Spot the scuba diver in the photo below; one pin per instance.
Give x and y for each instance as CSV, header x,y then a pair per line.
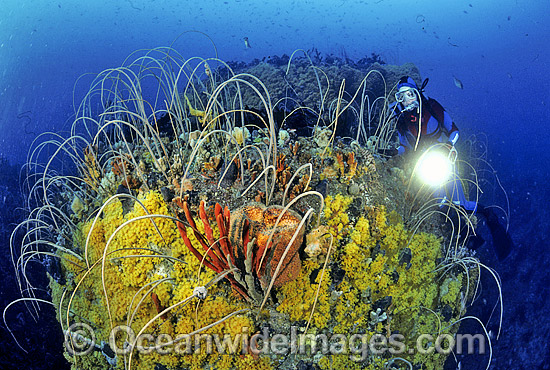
x,y
422,123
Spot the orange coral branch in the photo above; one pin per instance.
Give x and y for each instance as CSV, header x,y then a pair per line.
x,y
189,245
215,259
352,163
158,305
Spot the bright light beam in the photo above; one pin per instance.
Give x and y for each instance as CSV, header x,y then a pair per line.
x,y
434,168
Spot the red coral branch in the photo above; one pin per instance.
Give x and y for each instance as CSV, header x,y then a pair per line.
x,y
215,258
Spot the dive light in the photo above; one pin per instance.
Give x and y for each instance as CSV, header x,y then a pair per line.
x,y
435,166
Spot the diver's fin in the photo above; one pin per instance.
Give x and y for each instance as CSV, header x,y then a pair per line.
x,y
502,242
473,240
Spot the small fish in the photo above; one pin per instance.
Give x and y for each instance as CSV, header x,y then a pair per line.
x,y
246,43
458,83
450,43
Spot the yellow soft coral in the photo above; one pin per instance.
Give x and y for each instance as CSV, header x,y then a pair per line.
x,y
336,216
297,297
387,263
374,264
134,277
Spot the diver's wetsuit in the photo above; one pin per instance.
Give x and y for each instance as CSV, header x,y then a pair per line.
x,y
435,122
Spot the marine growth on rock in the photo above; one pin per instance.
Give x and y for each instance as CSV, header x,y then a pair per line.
x,y
206,227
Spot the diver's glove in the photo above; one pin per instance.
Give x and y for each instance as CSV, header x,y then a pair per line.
x,y
449,144
452,152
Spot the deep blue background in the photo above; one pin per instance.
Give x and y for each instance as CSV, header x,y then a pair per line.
x,y
498,49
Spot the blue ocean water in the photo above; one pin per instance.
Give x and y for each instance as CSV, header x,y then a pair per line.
x,y
497,49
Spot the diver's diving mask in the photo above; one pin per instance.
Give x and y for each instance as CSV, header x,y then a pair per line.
x,y
408,99
405,94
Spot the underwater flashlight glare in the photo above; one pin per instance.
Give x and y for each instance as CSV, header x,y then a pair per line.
x,y
434,168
